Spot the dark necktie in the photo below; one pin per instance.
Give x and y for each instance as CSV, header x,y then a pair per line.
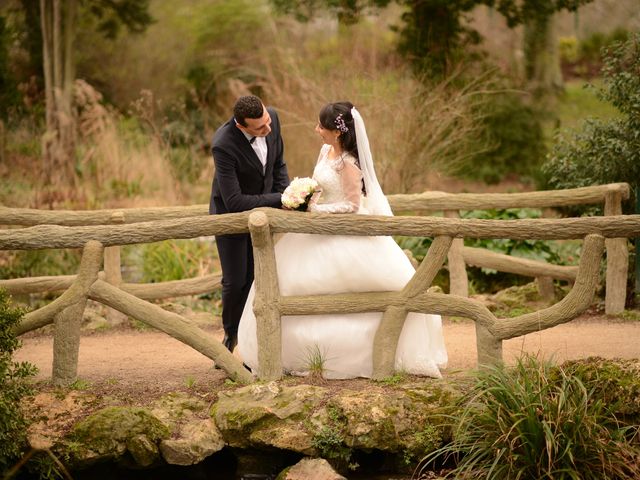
x,y
253,139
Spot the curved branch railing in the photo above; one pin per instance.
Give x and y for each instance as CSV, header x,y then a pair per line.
x,y
270,306
610,195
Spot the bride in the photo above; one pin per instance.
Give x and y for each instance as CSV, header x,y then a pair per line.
x,y
342,344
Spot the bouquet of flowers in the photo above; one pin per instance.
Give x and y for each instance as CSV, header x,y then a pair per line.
x,y
297,195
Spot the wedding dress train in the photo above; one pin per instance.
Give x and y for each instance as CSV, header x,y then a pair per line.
x,y
330,264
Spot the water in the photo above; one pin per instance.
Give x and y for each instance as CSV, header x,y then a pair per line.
x,y
230,464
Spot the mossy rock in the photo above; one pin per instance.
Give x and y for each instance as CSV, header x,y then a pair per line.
x,y
616,382
267,416
390,421
126,435
517,300
407,421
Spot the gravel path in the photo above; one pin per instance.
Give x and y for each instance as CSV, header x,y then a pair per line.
x,y
132,357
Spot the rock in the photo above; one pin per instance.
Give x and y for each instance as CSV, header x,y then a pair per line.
x,y
391,421
516,300
143,450
110,433
194,435
310,469
615,382
268,416
197,440
307,419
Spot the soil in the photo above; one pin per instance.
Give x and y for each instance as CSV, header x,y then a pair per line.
x,y
147,363
129,366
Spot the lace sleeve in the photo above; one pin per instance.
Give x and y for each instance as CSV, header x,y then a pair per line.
x,y
351,180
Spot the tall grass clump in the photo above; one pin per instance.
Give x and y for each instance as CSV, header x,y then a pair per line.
x,y
537,421
177,260
115,164
14,386
416,129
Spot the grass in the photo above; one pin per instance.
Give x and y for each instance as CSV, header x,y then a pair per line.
x,y
80,385
630,315
536,421
315,362
578,103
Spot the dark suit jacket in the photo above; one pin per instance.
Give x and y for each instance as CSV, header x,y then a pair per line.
x,y
238,182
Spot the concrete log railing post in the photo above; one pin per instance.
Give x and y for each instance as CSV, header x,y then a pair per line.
x,y
617,260
545,285
387,336
458,279
172,324
596,229
266,302
66,336
113,269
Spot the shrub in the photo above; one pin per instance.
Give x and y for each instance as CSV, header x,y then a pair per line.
x,y
13,387
537,421
513,135
488,280
177,259
34,263
604,151
584,58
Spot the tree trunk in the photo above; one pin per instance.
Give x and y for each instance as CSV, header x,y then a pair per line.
x,y
58,19
542,59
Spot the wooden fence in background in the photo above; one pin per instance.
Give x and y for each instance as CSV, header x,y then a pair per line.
x,y
100,233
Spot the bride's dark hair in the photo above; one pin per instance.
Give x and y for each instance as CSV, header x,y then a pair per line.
x,y
337,116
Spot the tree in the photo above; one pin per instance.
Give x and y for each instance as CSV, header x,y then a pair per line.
x,y
542,60
605,151
433,34
58,23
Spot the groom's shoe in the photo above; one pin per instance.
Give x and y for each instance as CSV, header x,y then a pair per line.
x,y
230,341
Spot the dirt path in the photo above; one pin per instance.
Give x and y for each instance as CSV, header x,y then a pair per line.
x,y
133,358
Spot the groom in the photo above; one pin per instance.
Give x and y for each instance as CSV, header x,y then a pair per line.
x,y
250,172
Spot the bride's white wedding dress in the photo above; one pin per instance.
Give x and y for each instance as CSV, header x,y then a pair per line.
x,y
330,264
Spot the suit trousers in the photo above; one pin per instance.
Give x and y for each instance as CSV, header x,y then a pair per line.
x,y
236,259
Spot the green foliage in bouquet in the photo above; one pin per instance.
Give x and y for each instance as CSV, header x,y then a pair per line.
x,y
604,151
14,386
537,421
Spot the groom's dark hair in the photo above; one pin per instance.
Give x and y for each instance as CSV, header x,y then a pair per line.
x,y
247,106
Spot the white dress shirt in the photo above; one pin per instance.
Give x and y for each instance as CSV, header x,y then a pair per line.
x,y
259,146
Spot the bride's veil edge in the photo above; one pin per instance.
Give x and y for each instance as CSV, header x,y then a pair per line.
x,y
377,203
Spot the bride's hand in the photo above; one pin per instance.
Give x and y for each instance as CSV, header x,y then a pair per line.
x,y
314,198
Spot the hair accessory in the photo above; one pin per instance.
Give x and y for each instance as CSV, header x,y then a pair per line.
x,y
339,121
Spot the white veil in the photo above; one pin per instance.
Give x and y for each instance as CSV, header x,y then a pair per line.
x,y
376,203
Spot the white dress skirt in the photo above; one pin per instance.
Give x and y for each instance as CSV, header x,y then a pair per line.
x,y
331,264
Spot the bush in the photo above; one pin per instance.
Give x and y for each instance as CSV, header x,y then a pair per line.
x,y
584,58
537,421
604,151
177,260
13,387
35,263
513,133
485,280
